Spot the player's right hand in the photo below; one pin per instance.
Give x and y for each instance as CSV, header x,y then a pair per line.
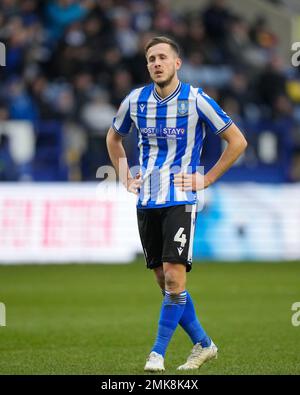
x,y
134,184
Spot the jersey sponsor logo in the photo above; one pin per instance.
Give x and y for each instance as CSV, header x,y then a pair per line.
x,y
169,133
173,132
182,107
149,131
142,107
179,249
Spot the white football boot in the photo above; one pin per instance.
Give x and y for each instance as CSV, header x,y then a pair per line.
x,y
154,363
199,356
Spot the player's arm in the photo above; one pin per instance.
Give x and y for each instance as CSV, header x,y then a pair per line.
x,y
119,160
236,145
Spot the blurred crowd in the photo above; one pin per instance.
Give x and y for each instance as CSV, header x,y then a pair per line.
x,y
75,60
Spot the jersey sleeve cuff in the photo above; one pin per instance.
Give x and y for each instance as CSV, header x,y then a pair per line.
x,y
117,131
224,127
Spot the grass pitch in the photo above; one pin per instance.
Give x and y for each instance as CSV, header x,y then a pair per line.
x,y
102,319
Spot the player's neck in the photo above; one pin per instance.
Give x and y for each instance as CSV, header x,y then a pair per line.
x,y
168,89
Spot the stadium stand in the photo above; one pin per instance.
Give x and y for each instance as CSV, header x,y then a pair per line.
x,y
69,63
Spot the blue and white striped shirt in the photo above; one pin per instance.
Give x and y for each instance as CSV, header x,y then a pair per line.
x,y
171,131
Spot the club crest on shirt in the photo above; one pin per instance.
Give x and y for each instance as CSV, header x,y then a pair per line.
x,y
182,107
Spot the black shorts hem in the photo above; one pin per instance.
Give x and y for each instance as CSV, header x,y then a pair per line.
x,y
153,264
184,262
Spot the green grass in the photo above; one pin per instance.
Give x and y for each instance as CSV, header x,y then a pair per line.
x,y
102,319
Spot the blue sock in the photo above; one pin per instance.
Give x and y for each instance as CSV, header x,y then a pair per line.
x,y
191,324
172,309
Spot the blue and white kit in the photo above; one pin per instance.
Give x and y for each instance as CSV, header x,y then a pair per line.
x,y
171,132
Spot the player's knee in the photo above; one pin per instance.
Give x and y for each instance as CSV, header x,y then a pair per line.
x,y
173,282
175,277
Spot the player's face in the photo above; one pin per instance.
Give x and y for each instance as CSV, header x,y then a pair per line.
x,y
162,63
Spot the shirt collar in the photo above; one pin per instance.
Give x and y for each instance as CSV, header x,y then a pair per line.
x,y
169,97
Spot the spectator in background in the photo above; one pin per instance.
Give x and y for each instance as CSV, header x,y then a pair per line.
x,y
216,19
4,113
84,88
120,84
16,38
196,39
112,62
240,51
61,13
136,64
29,12
72,54
261,35
40,90
96,40
126,38
294,174
180,30
282,109
233,107
196,72
272,81
21,105
96,116
55,99
97,113
240,90
141,15
65,103
9,8
164,17
8,168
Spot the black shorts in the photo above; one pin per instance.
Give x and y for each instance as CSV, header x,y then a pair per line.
x,y
167,234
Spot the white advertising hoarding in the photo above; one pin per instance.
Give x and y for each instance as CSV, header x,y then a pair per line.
x,y
249,221
89,222
67,223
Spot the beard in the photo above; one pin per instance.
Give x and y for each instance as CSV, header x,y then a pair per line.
x,y
163,84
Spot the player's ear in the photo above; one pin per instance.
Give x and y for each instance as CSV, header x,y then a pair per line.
x,y
178,63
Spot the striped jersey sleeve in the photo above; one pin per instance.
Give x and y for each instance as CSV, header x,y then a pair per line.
x,y
122,122
211,113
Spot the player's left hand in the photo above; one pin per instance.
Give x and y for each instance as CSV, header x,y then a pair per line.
x,y
190,182
134,184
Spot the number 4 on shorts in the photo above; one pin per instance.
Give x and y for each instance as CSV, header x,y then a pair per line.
x,y
180,237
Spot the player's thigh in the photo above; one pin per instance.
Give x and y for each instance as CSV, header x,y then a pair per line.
x,y
150,230
178,234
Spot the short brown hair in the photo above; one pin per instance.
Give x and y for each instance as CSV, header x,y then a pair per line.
x,y
162,40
